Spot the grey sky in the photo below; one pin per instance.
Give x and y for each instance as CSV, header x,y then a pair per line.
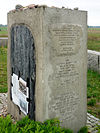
x,y
92,6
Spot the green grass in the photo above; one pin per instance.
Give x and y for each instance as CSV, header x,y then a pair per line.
x,y
94,39
3,32
94,45
25,125
3,69
29,126
93,93
93,86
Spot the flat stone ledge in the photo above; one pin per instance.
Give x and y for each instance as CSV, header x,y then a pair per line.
x,y
94,60
93,52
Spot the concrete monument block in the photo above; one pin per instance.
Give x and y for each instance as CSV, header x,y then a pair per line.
x,y
3,41
47,52
94,60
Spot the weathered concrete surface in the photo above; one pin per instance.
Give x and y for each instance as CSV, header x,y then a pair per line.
x,y
60,37
65,67
94,60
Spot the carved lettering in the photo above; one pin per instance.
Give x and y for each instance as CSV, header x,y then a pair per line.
x,y
67,40
64,105
64,81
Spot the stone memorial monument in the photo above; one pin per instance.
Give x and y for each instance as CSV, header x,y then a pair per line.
x,y
47,64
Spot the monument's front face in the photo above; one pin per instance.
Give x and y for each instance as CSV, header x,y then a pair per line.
x,y
66,79
67,75
57,55
65,63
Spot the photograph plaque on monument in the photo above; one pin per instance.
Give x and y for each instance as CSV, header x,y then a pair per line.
x,y
20,93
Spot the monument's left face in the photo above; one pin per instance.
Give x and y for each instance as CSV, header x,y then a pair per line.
x,y
24,61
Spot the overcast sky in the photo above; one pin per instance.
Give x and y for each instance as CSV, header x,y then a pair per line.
x,y
92,6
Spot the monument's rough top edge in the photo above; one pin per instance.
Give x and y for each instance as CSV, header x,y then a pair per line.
x,y
32,6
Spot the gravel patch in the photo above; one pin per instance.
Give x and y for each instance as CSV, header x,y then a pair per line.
x,y
3,104
92,123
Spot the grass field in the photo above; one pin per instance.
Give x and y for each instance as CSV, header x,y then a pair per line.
x,y
3,32
94,39
3,69
93,93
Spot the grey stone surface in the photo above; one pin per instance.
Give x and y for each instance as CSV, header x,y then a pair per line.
x,y
3,41
60,37
18,6
94,60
